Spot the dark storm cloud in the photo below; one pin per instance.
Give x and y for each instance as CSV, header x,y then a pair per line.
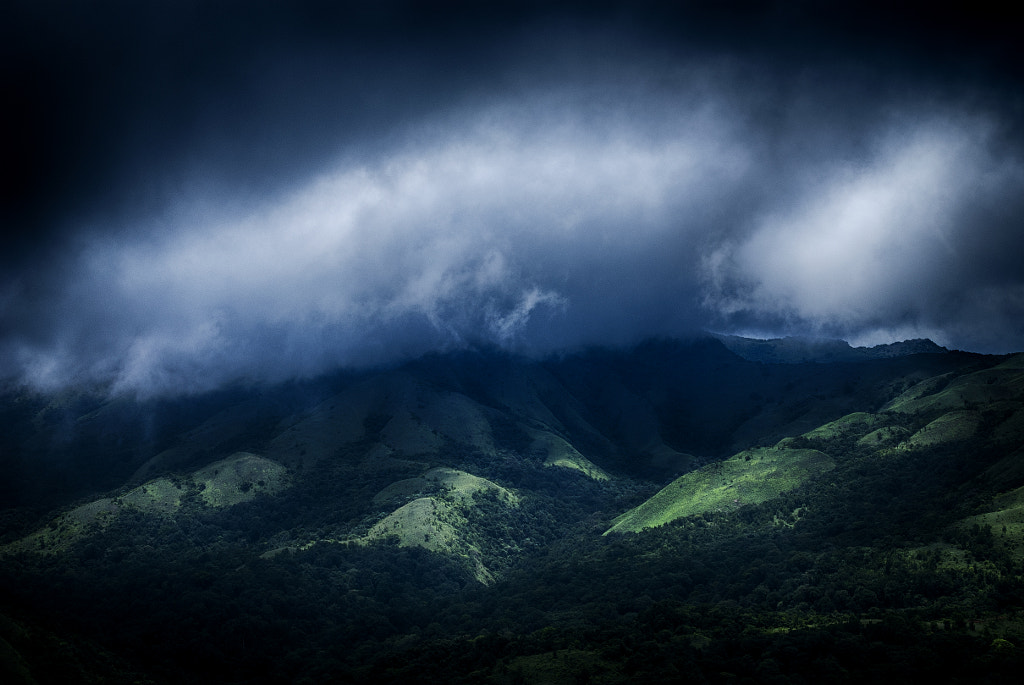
x,y
224,191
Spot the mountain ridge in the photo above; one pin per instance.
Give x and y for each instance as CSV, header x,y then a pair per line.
x,y
801,350
440,504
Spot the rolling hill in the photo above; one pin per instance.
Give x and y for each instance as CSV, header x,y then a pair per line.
x,y
610,515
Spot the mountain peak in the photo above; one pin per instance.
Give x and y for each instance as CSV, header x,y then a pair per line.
x,y
799,349
903,348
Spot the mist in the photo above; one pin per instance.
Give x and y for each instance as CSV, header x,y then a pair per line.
x,y
321,201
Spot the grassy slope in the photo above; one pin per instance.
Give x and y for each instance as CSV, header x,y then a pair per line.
x,y
227,482
558,452
432,515
754,476
454,483
1004,381
959,404
428,522
750,477
885,436
955,425
994,394
1006,519
857,422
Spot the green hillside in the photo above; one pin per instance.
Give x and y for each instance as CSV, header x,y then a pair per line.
x,y
462,518
1003,381
439,522
750,477
239,478
885,436
758,475
856,423
1005,519
558,452
432,511
956,425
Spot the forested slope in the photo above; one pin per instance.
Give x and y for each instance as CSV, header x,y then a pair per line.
x,y
444,521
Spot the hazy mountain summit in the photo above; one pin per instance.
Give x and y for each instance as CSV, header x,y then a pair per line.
x,y
797,350
658,407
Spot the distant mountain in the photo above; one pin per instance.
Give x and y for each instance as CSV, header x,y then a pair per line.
x,y
798,350
899,349
611,515
656,409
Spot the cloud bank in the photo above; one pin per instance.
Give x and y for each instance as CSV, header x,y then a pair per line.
x,y
595,192
896,245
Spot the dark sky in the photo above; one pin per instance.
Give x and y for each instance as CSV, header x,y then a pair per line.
x,y
200,192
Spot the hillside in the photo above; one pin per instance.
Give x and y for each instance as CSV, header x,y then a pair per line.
x,y
611,516
990,397
750,477
239,478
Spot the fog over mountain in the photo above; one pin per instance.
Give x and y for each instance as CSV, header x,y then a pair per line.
x,y
196,193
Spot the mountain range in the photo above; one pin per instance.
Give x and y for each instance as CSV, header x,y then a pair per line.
x,y
715,509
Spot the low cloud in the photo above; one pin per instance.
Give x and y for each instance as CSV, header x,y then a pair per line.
x,y
881,246
370,208
503,230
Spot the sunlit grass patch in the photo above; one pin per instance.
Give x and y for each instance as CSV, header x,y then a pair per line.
x,y
908,398
239,478
750,477
436,519
857,422
465,485
452,482
66,529
426,522
884,436
558,452
956,425
224,483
